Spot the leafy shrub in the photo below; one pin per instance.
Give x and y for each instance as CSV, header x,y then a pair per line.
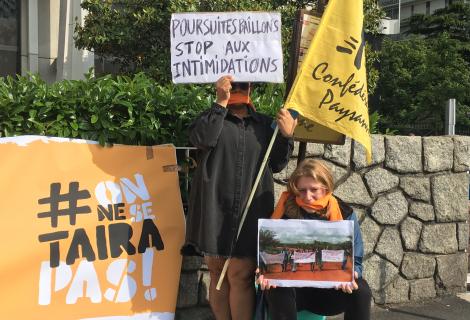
x,y
268,98
129,110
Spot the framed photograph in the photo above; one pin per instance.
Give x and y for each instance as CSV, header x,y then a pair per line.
x,y
306,253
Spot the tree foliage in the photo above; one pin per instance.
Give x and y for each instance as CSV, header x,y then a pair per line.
x,y
135,33
453,20
421,72
268,239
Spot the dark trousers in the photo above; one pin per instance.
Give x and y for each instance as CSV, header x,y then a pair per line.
x,y
283,303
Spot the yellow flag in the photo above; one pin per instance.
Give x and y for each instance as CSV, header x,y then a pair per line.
x,y
331,86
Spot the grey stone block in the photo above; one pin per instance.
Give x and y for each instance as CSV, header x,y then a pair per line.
x,y
417,187
278,190
461,153
410,233
438,153
379,272
287,171
380,180
422,289
451,275
450,195
395,292
463,236
418,265
403,153
439,238
378,152
353,191
370,233
360,213
188,290
315,149
339,154
312,150
390,208
191,263
389,246
468,268
337,172
422,211
295,152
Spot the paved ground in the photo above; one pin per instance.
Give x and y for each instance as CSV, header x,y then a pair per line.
x,y
447,308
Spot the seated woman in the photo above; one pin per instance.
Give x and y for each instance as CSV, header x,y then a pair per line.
x,y
309,196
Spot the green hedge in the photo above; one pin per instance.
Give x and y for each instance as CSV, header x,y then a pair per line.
x,y
120,109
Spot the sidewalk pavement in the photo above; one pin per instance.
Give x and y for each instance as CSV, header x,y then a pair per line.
x,y
444,308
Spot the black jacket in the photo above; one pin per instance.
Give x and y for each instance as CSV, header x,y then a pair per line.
x,y
231,153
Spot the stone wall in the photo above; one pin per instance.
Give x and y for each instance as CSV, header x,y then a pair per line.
x,y
412,203
193,294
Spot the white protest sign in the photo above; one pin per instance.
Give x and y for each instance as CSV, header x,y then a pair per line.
x,y
332,255
206,46
304,257
272,258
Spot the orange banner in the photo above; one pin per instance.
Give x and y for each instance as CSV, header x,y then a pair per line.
x,y
88,232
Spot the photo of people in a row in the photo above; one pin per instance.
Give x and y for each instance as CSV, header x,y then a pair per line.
x,y
303,252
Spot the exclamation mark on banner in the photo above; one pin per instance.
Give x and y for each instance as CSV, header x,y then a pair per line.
x,y
147,266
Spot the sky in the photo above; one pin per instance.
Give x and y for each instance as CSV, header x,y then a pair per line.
x,y
307,231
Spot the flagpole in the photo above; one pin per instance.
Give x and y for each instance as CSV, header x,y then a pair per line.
x,y
250,199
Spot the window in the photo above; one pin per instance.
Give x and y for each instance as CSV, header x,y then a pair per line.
x,y
391,12
412,9
9,37
428,7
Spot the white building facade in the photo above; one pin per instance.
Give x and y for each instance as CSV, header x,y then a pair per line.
x,y
398,12
37,36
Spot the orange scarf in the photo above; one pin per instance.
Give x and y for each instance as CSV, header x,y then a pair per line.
x,y
329,202
239,98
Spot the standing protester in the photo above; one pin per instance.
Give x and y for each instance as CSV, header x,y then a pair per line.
x,y
309,196
232,139
319,258
285,260
344,263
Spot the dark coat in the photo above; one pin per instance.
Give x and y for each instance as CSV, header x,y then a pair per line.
x,y
231,151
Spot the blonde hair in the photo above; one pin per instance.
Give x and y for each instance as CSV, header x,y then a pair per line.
x,y
315,169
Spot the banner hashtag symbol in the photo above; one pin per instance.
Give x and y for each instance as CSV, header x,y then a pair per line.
x,y
71,197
